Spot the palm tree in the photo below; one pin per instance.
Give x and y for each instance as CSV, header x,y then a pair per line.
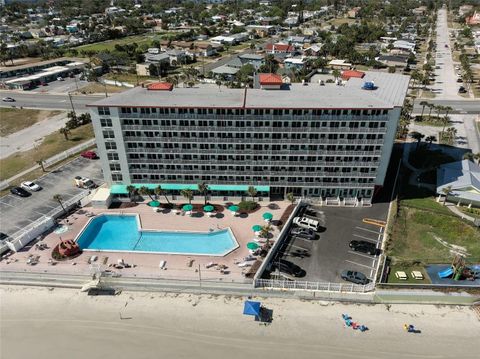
x,y
430,139
423,104
65,132
445,122
219,84
477,156
203,189
291,197
252,192
417,136
41,164
439,109
336,74
59,199
469,156
159,191
430,106
146,191
188,194
446,191
132,193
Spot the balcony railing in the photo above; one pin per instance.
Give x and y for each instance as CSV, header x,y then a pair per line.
x,y
232,151
227,162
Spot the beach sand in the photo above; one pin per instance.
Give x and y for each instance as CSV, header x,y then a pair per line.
x,y
64,323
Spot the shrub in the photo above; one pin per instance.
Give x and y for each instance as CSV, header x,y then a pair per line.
x,y
248,206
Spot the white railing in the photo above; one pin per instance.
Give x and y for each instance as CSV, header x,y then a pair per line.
x,y
313,286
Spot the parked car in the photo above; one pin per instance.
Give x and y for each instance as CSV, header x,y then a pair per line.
x,y
459,79
31,186
8,99
354,277
446,45
305,233
305,222
19,191
59,78
89,154
462,89
288,267
363,246
84,182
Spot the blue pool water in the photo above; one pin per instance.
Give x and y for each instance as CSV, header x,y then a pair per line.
x,y
121,233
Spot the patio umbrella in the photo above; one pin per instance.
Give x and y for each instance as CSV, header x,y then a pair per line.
x,y
268,216
257,228
154,204
251,308
187,207
233,208
208,208
252,245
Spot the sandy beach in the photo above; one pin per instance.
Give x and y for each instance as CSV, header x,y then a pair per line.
x,y
43,323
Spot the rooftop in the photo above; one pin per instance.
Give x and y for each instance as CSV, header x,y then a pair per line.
x,y
390,92
270,79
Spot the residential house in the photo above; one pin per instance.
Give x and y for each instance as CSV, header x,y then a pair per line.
x,y
294,63
353,13
463,179
474,19
464,9
253,59
177,57
261,30
313,50
279,48
298,41
394,60
340,64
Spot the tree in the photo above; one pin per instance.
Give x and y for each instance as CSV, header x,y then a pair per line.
x,y
423,104
446,191
65,132
41,164
252,192
417,136
132,193
159,191
469,156
203,189
219,84
291,197
477,156
188,194
59,199
430,106
145,191
430,139
245,72
336,74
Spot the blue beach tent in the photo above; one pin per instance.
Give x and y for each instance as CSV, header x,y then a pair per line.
x,y
251,308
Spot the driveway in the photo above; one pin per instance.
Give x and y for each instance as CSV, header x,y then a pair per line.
x,y
18,212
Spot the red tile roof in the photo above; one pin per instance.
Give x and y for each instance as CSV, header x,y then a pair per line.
x,y
270,79
280,47
346,75
160,86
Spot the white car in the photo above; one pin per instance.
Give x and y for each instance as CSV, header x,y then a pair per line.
x,y
31,186
8,99
305,222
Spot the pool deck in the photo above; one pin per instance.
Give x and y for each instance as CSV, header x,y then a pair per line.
x,y
147,264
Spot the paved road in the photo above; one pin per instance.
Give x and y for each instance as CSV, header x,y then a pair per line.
x,y
48,101
459,106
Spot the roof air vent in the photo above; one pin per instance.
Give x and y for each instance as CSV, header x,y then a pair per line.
x,y
369,85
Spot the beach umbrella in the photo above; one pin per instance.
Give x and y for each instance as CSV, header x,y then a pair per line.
x,y
257,228
233,208
267,216
251,308
208,208
252,245
187,207
154,204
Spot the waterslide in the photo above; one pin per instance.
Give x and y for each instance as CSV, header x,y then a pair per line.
x,y
446,272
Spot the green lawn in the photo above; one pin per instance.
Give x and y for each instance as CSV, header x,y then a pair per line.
x,y
51,145
130,78
407,269
15,119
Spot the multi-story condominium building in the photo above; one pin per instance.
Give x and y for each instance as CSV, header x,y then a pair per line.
x,y
312,140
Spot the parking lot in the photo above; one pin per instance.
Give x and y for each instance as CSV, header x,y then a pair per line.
x,y
65,86
325,258
18,212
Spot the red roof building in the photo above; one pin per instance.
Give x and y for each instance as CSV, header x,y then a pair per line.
x,y
279,48
160,86
270,81
348,74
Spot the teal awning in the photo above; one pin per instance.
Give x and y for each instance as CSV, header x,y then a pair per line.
x,y
122,189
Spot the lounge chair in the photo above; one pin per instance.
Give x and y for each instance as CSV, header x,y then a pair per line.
x,y
246,264
163,265
211,264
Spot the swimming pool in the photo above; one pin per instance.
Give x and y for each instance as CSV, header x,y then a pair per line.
x,y
115,232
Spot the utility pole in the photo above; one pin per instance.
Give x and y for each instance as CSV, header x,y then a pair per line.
x,y
200,275
71,103
105,87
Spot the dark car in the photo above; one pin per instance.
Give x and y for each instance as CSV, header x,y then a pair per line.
x,y
288,267
462,89
18,191
363,246
305,233
354,277
89,154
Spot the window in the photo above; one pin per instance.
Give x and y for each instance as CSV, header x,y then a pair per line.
x,y
108,134
104,111
105,122
117,177
115,167
112,156
110,145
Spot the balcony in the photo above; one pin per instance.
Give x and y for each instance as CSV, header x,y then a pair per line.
x,y
227,162
251,152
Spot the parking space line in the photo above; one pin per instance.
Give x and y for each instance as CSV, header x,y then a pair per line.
x,y
362,255
303,239
369,239
368,230
362,265
7,204
305,249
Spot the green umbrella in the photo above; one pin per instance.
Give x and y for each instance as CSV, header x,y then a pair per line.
x,y
208,208
187,207
154,204
234,208
268,216
252,245
257,228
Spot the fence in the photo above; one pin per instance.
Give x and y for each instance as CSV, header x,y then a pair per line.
x,y
313,286
50,161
